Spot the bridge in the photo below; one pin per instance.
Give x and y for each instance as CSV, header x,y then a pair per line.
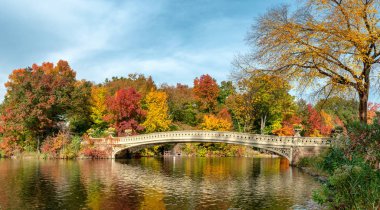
x,y
290,147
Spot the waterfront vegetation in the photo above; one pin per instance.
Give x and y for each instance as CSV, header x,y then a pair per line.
x,y
326,47
350,169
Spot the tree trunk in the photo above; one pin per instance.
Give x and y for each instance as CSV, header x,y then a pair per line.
x,y
363,102
38,145
262,123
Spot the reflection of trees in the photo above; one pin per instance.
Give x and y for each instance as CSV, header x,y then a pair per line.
x,y
148,183
76,198
37,191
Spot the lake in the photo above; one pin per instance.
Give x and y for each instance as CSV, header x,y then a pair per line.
x,y
155,183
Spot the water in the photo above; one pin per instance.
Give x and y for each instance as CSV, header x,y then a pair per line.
x,y
154,183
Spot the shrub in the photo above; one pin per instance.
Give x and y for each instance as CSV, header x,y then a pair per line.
x,y
353,166
355,185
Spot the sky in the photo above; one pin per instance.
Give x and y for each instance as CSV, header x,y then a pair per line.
x,y
173,41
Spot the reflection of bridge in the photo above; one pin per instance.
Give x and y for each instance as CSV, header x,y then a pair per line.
x,y
289,147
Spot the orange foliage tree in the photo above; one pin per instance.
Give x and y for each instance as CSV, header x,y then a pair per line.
x,y
37,100
221,122
206,92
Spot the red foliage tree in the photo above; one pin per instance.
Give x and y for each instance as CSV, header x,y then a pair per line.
x,y
125,111
206,92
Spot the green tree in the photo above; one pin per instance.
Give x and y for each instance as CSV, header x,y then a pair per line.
x,y
226,89
269,98
346,110
182,105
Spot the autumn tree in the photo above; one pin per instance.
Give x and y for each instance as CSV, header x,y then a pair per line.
x,y
242,111
206,92
157,118
333,43
98,105
221,122
36,104
182,105
124,111
288,124
268,98
139,82
344,109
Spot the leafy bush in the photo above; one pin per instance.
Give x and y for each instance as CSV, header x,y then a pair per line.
x,y
52,145
95,153
353,166
355,185
72,149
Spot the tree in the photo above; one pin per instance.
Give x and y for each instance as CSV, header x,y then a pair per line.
x,y
345,109
206,92
182,105
269,98
329,42
157,118
221,122
225,90
98,105
124,111
242,111
139,82
36,104
79,112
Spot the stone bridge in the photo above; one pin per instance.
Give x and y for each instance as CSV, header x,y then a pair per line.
x,y
290,147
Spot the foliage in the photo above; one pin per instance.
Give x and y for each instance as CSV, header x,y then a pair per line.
x,y
364,141
99,132
53,145
124,111
353,166
325,40
206,92
373,109
289,123
268,99
353,184
79,113
225,90
182,106
98,106
346,110
139,82
72,149
241,111
221,122
37,101
157,118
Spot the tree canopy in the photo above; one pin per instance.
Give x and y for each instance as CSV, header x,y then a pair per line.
x,y
331,44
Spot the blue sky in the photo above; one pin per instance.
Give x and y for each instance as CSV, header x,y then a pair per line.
x,y
173,41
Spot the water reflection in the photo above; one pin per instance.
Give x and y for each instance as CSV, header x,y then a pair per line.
x,y
150,183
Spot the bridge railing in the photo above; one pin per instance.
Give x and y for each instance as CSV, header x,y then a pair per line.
x,y
217,136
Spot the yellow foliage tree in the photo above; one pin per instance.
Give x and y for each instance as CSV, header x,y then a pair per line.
x,y
332,44
211,122
98,106
157,118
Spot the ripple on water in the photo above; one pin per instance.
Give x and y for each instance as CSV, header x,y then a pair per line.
x,y
186,183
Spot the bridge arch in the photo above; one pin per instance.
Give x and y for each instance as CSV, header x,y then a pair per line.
x,y
290,147
283,152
